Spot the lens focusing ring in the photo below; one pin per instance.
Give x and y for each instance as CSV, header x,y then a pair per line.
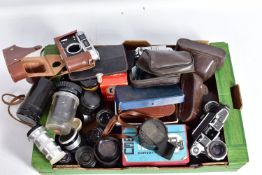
x,y
217,150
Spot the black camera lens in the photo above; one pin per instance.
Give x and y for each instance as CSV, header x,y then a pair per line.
x,y
89,102
85,157
103,116
217,150
67,159
35,102
93,136
107,151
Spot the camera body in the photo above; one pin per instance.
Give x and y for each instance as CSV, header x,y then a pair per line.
x,y
76,51
206,134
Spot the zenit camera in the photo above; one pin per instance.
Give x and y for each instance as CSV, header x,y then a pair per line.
x,y
206,134
76,51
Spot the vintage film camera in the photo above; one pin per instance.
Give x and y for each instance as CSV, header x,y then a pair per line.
x,y
206,134
76,51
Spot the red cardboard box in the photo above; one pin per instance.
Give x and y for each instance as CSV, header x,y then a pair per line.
x,y
109,82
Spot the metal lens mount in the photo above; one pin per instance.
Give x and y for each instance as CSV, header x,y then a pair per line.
x,y
73,48
217,150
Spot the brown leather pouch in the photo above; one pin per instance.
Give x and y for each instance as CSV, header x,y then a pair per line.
x,y
164,62
194,90
207,58
160,67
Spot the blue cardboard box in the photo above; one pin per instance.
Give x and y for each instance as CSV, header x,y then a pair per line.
x,y
128,97
133,154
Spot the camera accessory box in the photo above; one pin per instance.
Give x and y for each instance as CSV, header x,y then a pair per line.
x,y
128,97
133,154
109,82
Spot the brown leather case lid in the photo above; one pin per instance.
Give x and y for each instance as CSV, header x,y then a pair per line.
x,y
14,53
207,58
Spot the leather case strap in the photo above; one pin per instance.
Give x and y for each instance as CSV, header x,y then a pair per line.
x,y
154,112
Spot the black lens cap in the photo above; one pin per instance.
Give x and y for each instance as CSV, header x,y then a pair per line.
x,y
152,134
107,151
103,116
89,83
85,157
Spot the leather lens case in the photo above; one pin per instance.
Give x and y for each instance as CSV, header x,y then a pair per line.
x,y
194,90
207,58
164,62
161,67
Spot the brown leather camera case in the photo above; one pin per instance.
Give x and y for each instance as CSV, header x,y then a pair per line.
x,y
207,58
78,62
194,90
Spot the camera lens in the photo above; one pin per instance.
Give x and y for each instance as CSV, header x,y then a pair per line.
x,y
85,157
103,117
94,135
36,101
71,141
89,102
45,144
217,150
67,159
63,108
107,151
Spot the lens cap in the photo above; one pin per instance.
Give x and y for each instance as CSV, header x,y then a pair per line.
x,y
107,151
89,83
85,157
152,135
217,150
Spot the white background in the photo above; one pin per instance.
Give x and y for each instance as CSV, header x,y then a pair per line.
x,y
28,23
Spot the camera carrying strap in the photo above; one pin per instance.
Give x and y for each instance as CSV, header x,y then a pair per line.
x,y
144,113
